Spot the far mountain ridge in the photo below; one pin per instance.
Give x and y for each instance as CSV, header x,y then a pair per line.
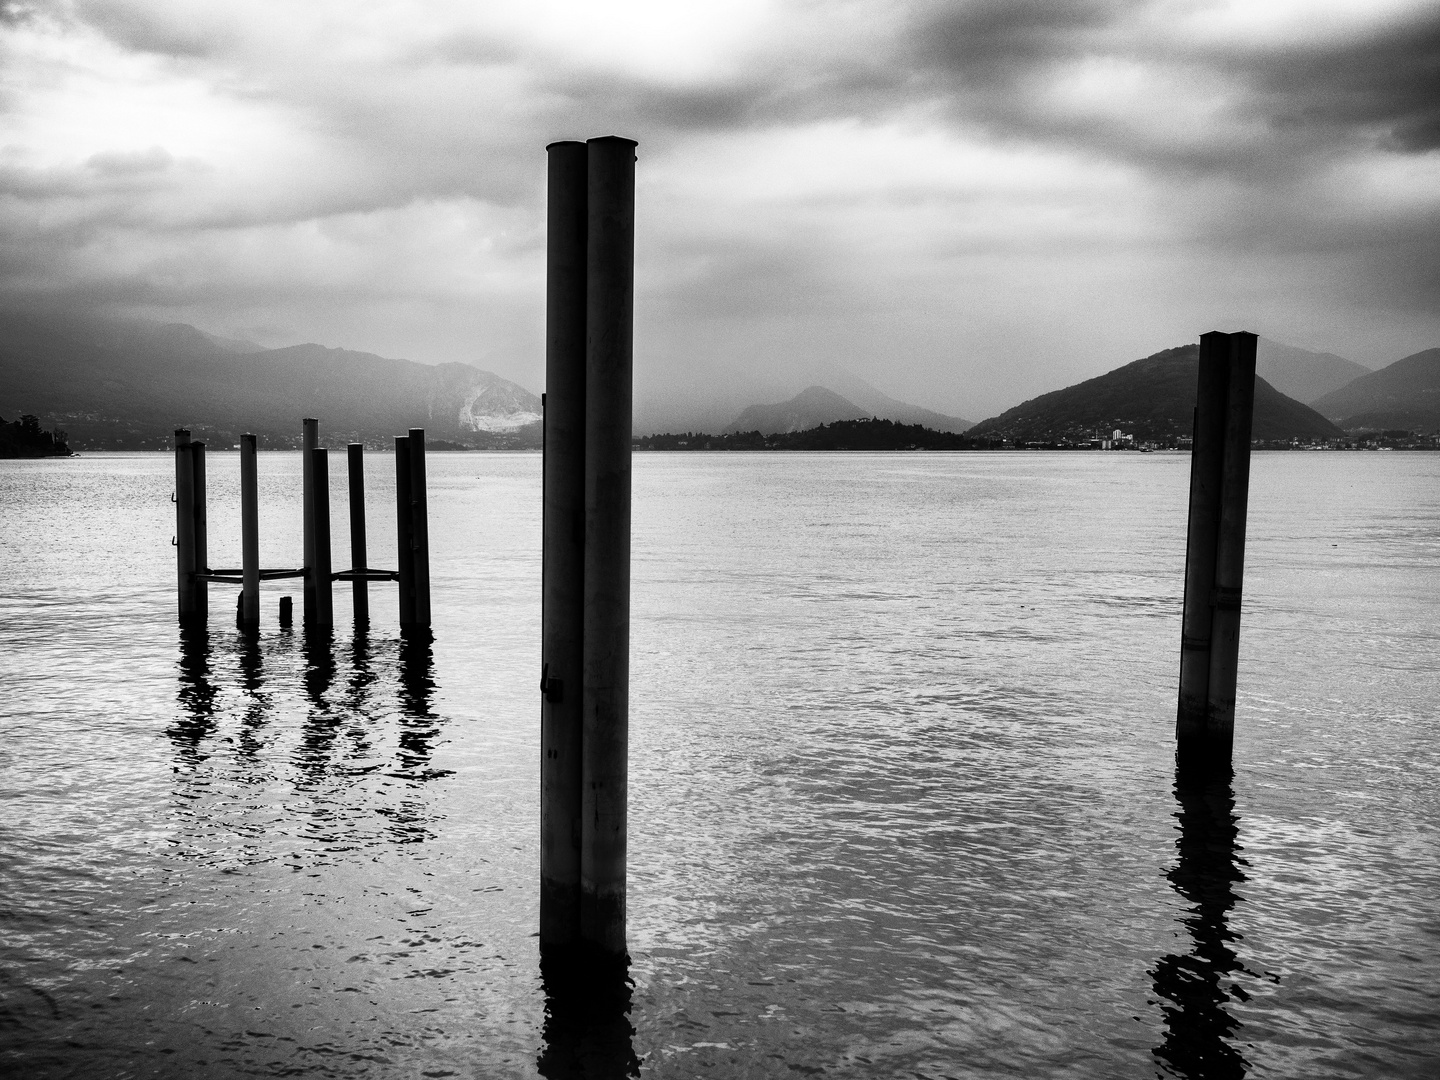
x,y
128,383
1301,374
1152,399
1404,395
817,405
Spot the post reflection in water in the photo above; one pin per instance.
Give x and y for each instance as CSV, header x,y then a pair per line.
x,y
587,1030
196,695
417,686
1200,1033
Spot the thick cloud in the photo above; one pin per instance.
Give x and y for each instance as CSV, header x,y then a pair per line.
x,y
966,203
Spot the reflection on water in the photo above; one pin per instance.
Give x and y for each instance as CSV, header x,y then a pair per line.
x,y
337,704
1200,1038
587,1018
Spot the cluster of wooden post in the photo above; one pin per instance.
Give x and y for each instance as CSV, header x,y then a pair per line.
x,y
1215,549
584,727
317,574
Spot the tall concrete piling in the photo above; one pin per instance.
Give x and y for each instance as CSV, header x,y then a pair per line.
x,y
185,569
404,532
605,692
360,587
419,528
249,614
309,440
201,532
1215,550
319,577
563,547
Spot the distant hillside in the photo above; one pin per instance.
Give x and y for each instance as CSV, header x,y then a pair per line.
x,y
810,408
1153,399
1303,375
875,404
816,405
866,434
1405,395
116,383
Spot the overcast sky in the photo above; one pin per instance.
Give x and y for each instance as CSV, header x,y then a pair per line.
x,y
966,203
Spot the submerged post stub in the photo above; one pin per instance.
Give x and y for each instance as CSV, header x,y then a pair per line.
x,y
1215,550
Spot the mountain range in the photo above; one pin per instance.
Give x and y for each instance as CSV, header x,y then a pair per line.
x,y
816,405
123,383
1405,395
1152,399
128,383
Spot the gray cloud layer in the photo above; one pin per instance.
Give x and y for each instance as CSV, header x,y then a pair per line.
x,y
944,197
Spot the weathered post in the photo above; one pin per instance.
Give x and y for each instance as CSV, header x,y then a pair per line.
x,y
185,528
1207,454
404,532
287,612
1214,555
309,440
563,548
1230,545
610,272
359,587
319,578
249,534
419,527
201,533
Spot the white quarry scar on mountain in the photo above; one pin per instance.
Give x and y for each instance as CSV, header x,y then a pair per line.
x,y
495,409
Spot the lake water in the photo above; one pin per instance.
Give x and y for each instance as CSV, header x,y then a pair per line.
x,y
903,799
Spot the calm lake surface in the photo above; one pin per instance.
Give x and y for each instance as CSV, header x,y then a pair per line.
x,y
903,799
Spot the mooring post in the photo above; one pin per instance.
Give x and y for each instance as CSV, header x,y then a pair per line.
x,y
1214,554
202,542
420,527
1230,545
562,572
309,440
249,534
404,532
360,587
324,618
185,528
609,308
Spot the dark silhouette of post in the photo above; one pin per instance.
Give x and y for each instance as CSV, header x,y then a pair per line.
x,y
609,306
185,529
201,532
419,527
1215,548
1230,546
309,440
355,454
324,611
404,532
563,560
249,534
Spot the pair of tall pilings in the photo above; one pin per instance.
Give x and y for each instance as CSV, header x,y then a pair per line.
x,y
191,542
585,649
411,529
1215,550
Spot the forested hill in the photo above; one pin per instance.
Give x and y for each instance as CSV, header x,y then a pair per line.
x,y
1153,399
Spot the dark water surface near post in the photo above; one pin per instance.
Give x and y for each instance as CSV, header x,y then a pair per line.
x,y
903,795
